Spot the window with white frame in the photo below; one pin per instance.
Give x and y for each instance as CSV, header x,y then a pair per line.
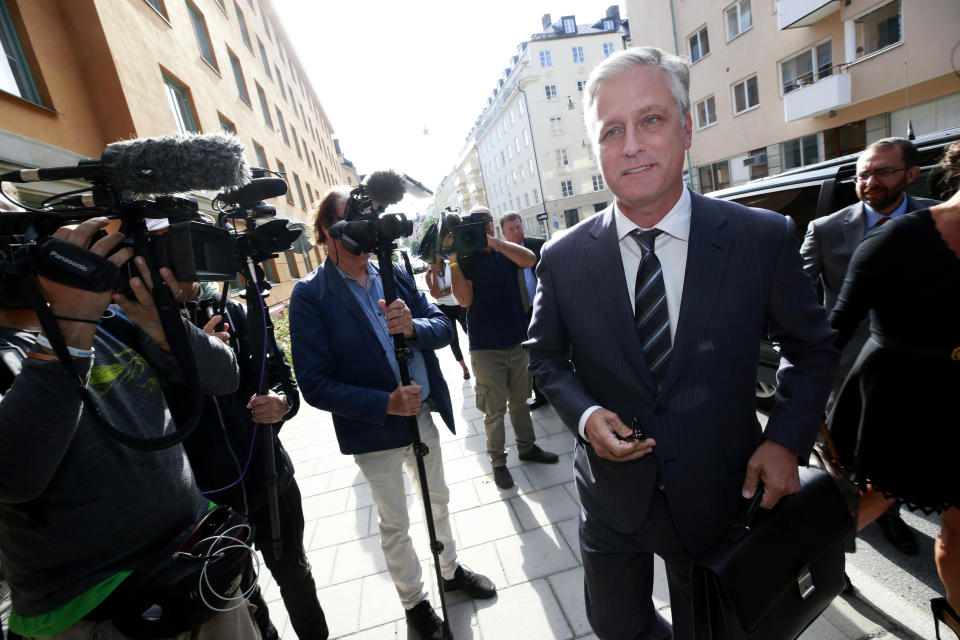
x,y
578,54
799,152
706,112
699,45
530,166
714,176
545,60
745,95
513,118
878,29
738,18
580,85
563,159
608,25
15,75
202,35
523,174
513,174
551,91
598,183
556,125
536,197
569,25
180,105
806,67
526,137
526,199
510,152
566,187
608,49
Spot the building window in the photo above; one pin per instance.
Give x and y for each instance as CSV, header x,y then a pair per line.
x,y
530,166
566,187
266,25
608,49
283,126
264,108
878,29
714,177
608,25
536,197
745,95
699,45
569,25
551,91
757,160
243,26
238,76
203,36
598,183
563,159
15,76
261,156
283,92
738,18
282,170
296,141
526,199
806,67
545,60
226,124
799,152
580,85
706,113
556,125
263,58
578,54
158,7
180,105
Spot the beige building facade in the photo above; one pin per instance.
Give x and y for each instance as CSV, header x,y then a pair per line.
x,y
778,84
80,74
530,150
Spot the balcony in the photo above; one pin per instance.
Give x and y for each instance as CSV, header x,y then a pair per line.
x,y
803,13
819,97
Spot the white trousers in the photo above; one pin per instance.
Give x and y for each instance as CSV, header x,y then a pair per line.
x,y
384,473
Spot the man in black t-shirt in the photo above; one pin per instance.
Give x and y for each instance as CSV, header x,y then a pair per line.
x,y
486,283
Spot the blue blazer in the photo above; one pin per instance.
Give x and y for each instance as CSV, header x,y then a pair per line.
x,y
743,278
341,367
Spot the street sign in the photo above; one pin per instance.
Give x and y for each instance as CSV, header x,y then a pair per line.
x,y
541,216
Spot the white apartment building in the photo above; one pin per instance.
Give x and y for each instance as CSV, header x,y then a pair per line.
x,y
534,156
778,84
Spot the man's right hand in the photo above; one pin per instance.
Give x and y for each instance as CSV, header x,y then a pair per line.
x,y
404,401
602,429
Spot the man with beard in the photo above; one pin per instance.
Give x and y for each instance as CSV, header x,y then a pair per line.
x,y
884,170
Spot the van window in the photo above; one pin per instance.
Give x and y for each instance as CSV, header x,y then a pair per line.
x,y
800,203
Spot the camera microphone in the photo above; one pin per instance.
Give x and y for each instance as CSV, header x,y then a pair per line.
x,y
164,164
254,191
385,187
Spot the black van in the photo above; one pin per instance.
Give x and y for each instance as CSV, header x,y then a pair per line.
x,y
818,190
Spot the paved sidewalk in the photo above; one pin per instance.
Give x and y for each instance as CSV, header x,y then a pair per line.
x,y
524,539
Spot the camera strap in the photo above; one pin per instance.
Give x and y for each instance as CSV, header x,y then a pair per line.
x,y
74,266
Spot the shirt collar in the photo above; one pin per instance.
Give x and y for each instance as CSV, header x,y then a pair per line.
x,y
373,271
873,217
676,223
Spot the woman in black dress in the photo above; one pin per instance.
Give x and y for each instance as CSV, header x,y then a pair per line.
x,y
902,391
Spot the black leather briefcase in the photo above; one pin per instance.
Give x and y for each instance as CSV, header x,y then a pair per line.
x,y
777,570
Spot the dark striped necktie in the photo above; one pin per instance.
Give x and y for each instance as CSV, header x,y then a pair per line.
x,y
650,306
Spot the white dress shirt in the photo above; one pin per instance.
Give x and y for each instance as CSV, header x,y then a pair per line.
x,y
671,248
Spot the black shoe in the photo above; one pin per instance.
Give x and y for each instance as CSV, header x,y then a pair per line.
x,y
473,584
426,622
537,403
942,608
536,454
898,533
502,477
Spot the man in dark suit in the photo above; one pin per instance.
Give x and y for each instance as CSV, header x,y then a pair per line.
x,y
511,226
343,353
674,355
884,170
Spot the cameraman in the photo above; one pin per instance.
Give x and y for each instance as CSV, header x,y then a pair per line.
x,y
487,283
218,456
79,512
345,361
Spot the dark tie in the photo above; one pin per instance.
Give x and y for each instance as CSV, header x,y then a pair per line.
x,y
881,221
650,306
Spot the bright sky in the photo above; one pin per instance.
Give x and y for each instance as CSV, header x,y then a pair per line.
x,y
386,70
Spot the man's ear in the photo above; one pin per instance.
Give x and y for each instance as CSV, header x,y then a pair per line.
x,y
912,173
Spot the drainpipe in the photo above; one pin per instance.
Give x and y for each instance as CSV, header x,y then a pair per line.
x,y
676,47
536,160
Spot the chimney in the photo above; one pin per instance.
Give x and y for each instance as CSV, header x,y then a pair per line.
x,y
614,12
546,21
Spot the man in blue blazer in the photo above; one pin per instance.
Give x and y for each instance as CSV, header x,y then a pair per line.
x,y
343,354
645,338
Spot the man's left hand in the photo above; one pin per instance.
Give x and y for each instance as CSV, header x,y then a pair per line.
x,y
777,467
399,318
269,408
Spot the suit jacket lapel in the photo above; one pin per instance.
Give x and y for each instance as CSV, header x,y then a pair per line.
x,y
853,227
603,253
338,288
707,254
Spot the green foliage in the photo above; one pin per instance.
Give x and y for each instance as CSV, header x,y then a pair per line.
x,y
281,329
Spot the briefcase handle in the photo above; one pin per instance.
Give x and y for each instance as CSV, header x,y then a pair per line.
x,y
742,527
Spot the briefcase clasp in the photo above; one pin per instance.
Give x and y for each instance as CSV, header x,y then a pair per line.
x,y
805,582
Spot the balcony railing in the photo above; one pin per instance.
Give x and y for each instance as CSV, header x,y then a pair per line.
x,y
807,97
803,13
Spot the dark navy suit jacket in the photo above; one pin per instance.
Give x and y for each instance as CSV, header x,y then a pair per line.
x,y
341,367
743,276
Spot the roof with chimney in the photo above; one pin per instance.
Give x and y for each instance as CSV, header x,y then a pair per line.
x,y
567,26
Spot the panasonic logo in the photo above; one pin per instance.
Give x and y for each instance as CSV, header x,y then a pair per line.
x,y
72,263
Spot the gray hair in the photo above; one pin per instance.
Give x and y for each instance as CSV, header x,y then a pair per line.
x,y
676,68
